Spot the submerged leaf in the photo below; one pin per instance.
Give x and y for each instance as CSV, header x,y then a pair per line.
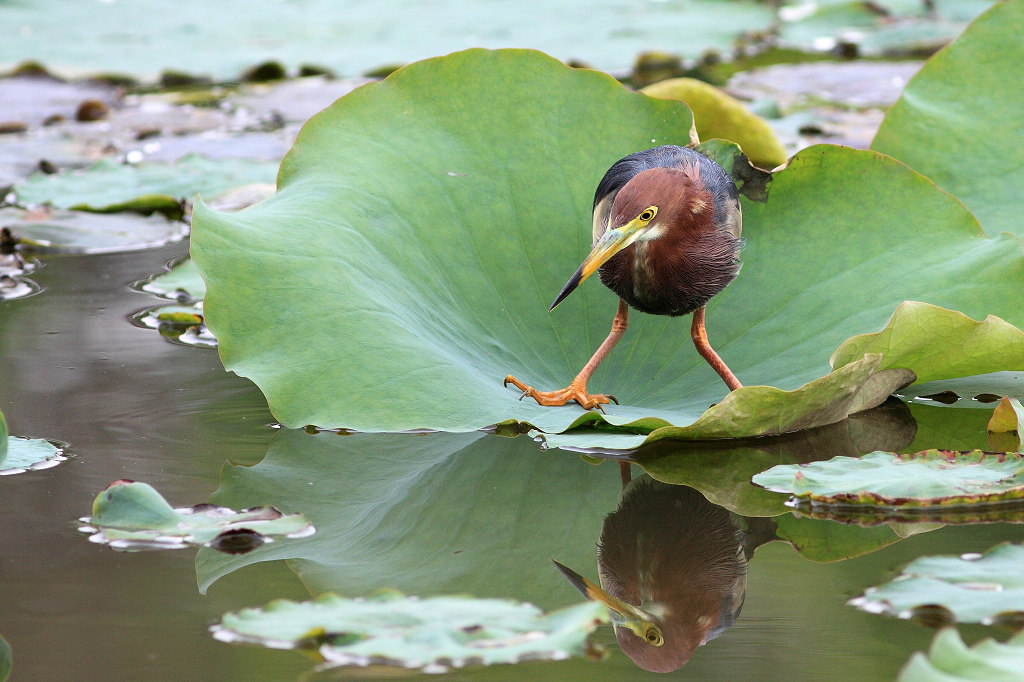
x,y
719,115
408,260
950,660
958,121
132,516
1008,416
985,589
433,633
932,478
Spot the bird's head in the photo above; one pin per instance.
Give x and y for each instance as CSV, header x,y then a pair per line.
x,y
623,615
650,205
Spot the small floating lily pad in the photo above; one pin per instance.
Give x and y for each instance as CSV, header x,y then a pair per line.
x,y
433,634
923,480
181,282
5,660
986,589
18,455
183,324
109,186
134,516
949,659
51,230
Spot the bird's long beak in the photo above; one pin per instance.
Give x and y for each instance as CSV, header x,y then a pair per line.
x,y
611,242
621,614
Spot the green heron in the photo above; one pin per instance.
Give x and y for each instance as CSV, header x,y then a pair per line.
x,y
673,572
666,239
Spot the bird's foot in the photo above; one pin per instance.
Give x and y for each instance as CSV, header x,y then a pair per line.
x,y
574,391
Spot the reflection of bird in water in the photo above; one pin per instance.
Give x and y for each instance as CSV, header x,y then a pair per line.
x,y
673,572
666,239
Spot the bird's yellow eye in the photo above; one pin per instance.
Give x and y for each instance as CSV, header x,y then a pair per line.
x,y
648,214
653,636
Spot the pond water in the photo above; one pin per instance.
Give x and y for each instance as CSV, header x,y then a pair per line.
x,y
427,514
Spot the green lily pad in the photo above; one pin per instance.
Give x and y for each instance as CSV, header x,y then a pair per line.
x,y
109,186
401,226
182,324
52,230
182,283
722,470
939,344
924,480
987,589
949,126
133,516
18,455
433,634
950,660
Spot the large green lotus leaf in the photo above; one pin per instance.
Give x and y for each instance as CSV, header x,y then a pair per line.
x,y
435,632
109,186
939,343
438,513
972,588
958,120
132,515
406,264
950,660
932,478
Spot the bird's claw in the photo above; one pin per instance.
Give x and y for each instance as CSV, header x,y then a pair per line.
x,y
572,392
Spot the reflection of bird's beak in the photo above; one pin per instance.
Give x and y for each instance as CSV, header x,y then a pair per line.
x,y
611,242
621,614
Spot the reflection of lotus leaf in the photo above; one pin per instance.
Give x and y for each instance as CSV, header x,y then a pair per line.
x,y
407,261
435,632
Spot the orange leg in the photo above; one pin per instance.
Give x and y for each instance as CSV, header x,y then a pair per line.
x,y
625,473
700,339
577,390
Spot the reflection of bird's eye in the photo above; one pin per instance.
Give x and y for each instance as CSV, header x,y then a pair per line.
x,y
648,214
653,637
